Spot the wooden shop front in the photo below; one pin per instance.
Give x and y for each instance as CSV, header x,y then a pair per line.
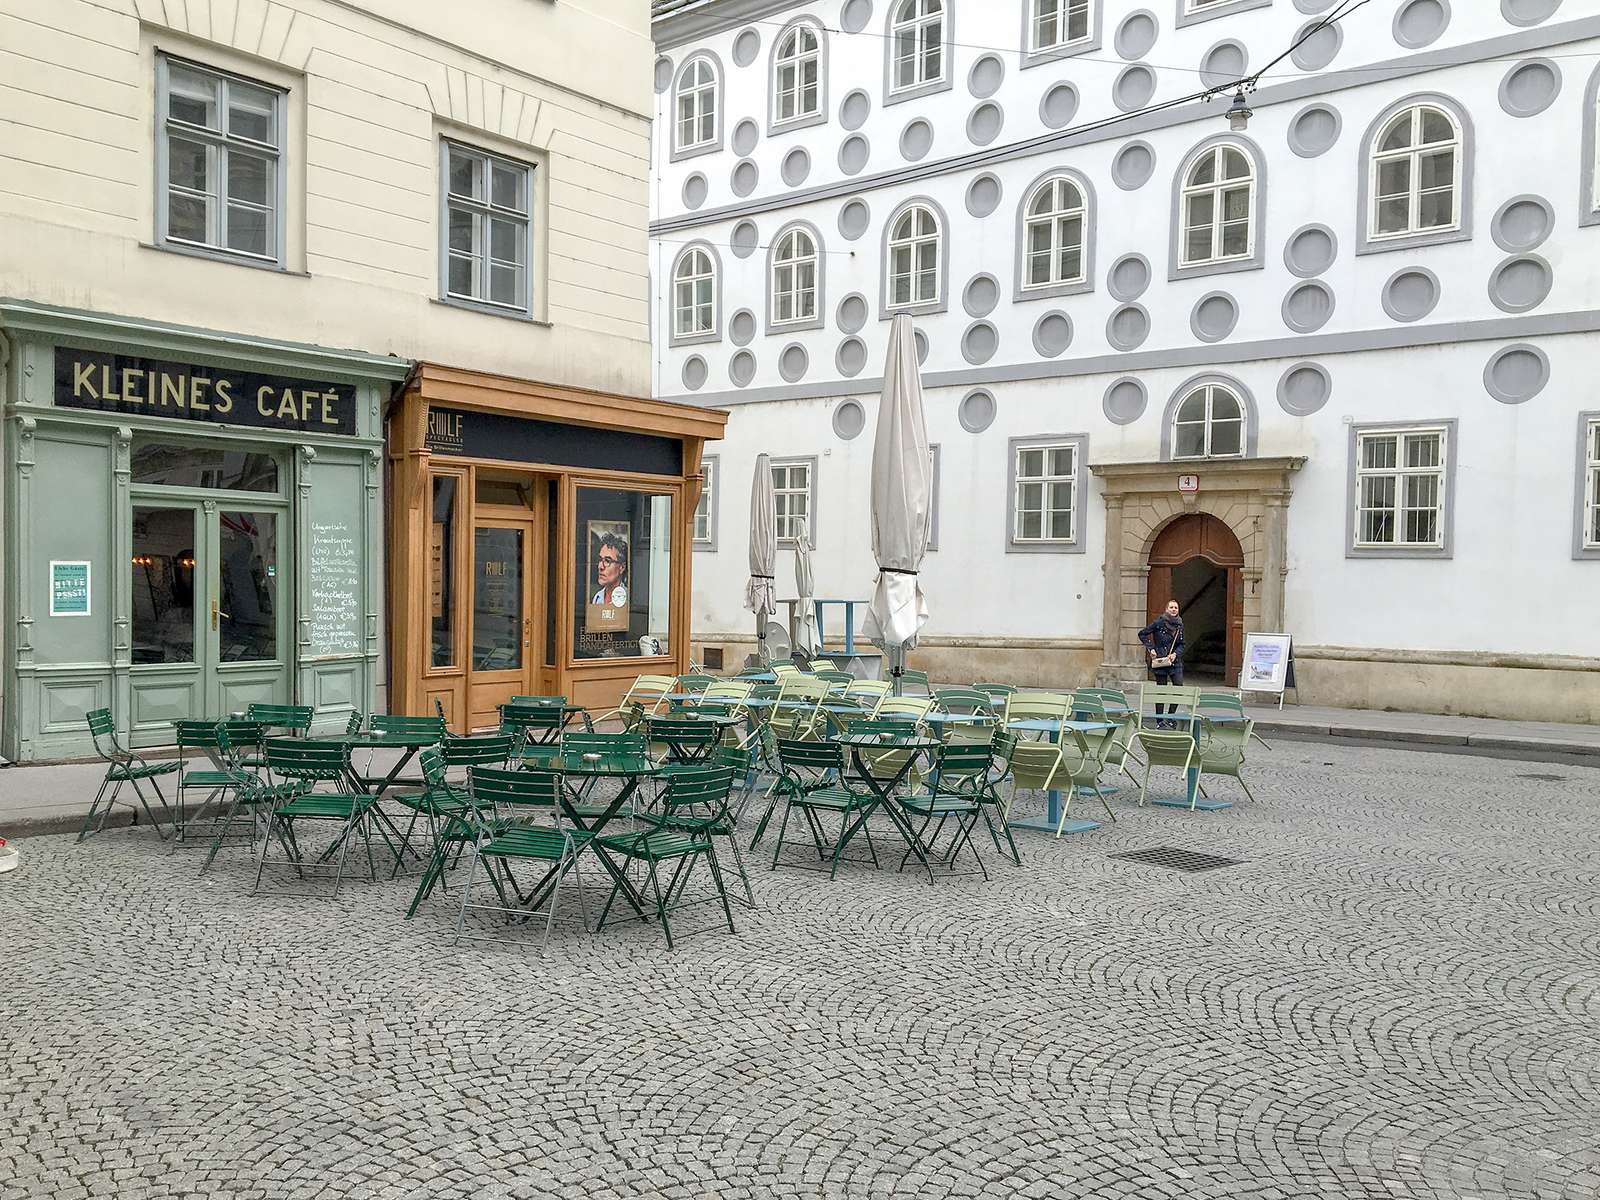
x,y
538,541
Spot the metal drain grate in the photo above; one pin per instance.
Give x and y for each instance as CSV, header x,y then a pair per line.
x,y
1544,778
1175,858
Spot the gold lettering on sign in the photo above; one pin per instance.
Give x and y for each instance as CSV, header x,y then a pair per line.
x,y
130,378
262,393
105,384
171,390
83,380
224,401
328,399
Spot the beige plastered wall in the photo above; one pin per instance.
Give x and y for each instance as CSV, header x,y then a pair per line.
x,y
372,89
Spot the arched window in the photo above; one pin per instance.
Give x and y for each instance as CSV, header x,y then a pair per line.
x,y
1219,193
1055,232
1057,23
694,294
916,44
1209,422
915,255
794,278
797,75
696,124
1415,183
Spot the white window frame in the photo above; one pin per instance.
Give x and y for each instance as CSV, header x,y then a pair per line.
x,y
220,145
1047,482
1586,536
1210,389
687,272
703,97
706,504
1399,473
785,518
484,211
788,264
911,245
1057,217
1216,189
1413,154
791,59
1062,12
917,18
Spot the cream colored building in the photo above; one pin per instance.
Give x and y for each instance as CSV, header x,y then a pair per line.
x,y
228,229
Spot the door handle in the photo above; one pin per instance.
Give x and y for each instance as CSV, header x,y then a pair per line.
x,y
527,632
213,616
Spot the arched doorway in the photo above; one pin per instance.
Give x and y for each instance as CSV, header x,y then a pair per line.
x,y
1198,562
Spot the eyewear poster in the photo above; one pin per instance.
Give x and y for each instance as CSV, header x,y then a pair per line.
x,y
606,571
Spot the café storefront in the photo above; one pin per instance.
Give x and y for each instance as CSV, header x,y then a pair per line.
x,y
538,541
193,523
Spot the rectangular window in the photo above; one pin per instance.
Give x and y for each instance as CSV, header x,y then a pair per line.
x,y
705,509
488,228
1591,483
219,162
793,485
623,573
933,508
1044,499
1059,23
442,570
167,464
1400,480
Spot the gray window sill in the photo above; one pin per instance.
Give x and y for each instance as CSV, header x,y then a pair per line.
x,y
694,339
1038,58
779,128
1398,552
1589,216
916,93
695,151
700,547
490,310
1022,295
779,328
913,310
1200,270
222,256
1016,547
1411,241
1219,10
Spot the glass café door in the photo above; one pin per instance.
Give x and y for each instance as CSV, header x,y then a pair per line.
x,y
208,629
502,615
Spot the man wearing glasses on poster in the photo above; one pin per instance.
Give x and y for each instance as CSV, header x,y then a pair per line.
x,y
612,563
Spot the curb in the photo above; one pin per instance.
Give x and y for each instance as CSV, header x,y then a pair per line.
x,y
1487,745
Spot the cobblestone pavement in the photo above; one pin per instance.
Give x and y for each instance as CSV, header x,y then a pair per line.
x,y
1396,994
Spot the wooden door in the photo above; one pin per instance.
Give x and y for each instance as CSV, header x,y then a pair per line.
x,y
502,657
1200,535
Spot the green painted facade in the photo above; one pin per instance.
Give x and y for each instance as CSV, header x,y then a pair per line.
x,y
304,550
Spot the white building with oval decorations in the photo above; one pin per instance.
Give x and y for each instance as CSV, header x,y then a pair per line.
x,y
1364,325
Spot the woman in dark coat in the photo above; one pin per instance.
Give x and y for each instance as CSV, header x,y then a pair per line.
x,y
1161,638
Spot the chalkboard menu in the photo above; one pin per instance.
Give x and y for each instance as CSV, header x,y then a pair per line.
x,y
334,561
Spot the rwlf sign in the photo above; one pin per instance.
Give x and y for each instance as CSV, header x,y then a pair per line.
x,y
123,383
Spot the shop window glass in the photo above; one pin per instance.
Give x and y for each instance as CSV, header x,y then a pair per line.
x,y
441,569
165,464
247,629
497,599
624,574
163,585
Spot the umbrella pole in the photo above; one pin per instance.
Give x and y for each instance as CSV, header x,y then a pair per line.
x,y
897,666
761,639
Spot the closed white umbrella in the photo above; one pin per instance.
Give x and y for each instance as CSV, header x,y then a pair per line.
x,y
902,502
805,626
759,595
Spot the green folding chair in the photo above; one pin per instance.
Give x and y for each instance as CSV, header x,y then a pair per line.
x,y
836,680
1222,746
1167,748
997,693
812,781
445,806
532,725
289,719
123,766
505,813
995,807
693,807
210,768
681,740
439,797
695,683
953,792
305,764
916,679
